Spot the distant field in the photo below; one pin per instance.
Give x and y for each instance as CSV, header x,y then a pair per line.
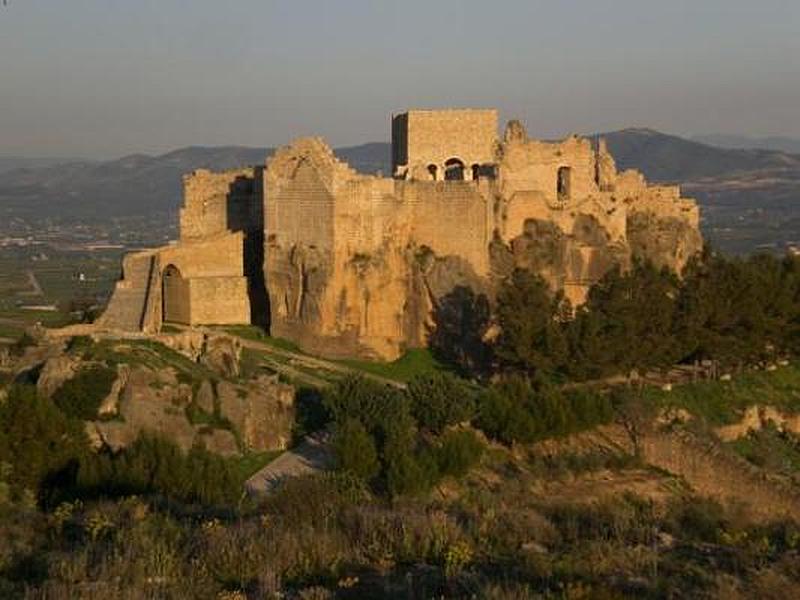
x,y
41,276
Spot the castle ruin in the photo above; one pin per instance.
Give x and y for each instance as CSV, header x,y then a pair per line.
x,y
349,264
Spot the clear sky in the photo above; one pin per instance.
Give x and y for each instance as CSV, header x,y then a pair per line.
x,y
101,78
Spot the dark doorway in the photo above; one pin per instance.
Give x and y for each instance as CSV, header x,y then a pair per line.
x,y
454,170
175,303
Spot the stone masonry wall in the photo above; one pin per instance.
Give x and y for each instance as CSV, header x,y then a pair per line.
x,y
216,203
435,136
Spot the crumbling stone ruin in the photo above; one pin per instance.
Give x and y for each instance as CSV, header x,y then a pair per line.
x,y
348,264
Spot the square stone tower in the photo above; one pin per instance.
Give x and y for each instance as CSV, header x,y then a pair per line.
x,y
452,144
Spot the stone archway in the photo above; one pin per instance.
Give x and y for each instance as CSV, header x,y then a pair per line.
x,y
175,302
454,170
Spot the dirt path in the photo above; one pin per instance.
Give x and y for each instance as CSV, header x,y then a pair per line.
x,y
312,455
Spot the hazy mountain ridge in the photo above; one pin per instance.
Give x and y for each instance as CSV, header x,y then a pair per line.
x,y
775,142
138,183
664,157
12,163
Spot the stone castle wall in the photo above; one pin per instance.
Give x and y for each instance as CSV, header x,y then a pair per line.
x,y
432,137
347,264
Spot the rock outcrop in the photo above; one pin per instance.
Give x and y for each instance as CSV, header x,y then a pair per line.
x,y
227,419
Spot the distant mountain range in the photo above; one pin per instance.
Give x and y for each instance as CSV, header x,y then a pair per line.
x,y
10,163
784,144
669,158
138,183
749,197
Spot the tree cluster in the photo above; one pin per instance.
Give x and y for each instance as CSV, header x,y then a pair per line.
x,y
731,310
402,441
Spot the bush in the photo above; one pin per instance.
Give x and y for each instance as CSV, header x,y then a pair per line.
x,y
41,446
81,396
516,411
382,410
155,465
355,450
409,474
458,452
502,414
439,400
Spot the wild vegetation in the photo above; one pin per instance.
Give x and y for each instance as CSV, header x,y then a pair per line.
x,y
451,487
734,311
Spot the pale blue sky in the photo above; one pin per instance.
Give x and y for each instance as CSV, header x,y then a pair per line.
x,y
102,78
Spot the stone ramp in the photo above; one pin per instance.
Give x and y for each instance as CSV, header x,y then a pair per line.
x,y
128,304
313,455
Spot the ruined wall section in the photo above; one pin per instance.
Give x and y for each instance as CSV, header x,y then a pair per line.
x,y
566,213
531,165
216,203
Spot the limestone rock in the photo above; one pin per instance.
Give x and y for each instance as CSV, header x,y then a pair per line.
x,y
205,397
263,413
233,404
55,372
221,354
271,416
115,435
110,404
220,441
144,407
189,343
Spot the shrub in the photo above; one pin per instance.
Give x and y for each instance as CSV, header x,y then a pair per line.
x,y
39,443
355,450
458,452
155,465
502,414
439,400
382,410
516,411
81,396
408,474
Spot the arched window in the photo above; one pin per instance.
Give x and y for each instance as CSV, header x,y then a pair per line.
x,y
564,183
454,170
432,170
